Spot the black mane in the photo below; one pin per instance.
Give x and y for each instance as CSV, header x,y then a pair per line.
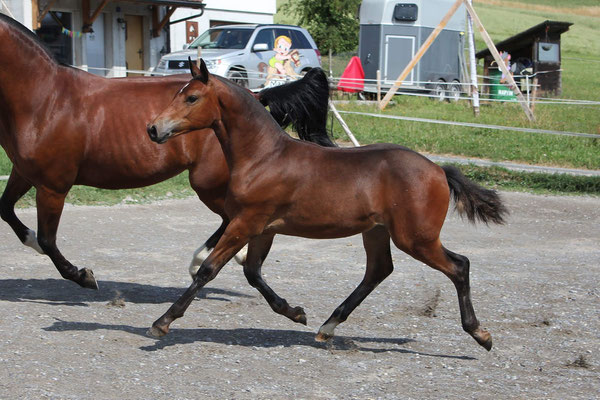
x,y
302,104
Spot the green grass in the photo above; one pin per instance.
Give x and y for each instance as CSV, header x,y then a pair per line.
x,y
174,188
557,3
540,183
532,148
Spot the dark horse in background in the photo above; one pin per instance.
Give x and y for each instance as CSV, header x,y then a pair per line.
x,y
62,127
282,186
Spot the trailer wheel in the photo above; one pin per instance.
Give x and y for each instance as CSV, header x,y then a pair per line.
x,y
439,90
454,92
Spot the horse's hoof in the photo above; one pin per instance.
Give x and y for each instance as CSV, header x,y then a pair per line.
x,y
299,316
87,280
323,337
484,338
156,332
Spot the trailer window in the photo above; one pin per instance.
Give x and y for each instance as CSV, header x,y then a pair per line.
x,y
405,12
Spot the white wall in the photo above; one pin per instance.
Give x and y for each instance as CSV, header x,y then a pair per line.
x,y
19,9
240,11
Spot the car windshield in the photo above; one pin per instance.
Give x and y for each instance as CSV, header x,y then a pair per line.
x,y
223,38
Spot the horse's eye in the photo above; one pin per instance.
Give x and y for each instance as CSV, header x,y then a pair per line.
x,y
191,99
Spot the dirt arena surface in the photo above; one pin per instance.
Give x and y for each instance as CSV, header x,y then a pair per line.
x,y
534,286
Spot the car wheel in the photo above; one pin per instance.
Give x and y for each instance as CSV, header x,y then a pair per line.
x,y
238,77
455,92
439,91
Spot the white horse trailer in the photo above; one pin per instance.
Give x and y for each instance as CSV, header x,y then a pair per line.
x,y
392,31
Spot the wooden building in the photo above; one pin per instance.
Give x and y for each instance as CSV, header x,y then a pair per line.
x,y
538,48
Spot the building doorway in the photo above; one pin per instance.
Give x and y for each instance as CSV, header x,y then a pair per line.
x,y
134,43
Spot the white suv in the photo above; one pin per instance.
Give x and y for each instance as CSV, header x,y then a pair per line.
x,y
252,55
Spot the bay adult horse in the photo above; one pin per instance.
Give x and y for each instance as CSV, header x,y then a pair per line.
x,y
282,186
62,127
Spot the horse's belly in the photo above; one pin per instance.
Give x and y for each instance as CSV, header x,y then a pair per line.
x,y
320,228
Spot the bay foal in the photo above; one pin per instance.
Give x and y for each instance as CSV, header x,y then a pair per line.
x,y
279,185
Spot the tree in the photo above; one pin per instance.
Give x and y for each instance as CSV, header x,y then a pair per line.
x,y
332,23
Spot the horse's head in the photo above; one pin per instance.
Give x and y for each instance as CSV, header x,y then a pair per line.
x,y
194,107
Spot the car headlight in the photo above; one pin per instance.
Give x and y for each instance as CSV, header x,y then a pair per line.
x,y
162,64
212,64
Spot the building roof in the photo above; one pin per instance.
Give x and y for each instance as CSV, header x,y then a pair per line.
x,y
526,38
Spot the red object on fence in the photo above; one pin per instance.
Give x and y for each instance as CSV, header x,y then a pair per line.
x,y
353,78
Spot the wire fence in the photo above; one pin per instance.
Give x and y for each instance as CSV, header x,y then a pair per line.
x,y
464,95
418,89
459,91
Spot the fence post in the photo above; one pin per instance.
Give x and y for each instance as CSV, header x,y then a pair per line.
x,y
490,44
473,65
343,124
378,86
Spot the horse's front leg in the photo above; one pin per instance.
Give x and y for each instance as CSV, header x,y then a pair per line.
x,y
16,187
235,237
49,209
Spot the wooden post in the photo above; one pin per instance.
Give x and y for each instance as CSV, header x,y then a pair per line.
x,y
343,124
156,29
419,54
490,44
85,15
35,13
534,93
378,86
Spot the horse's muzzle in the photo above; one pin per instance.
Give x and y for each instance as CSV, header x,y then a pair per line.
x,y
153,133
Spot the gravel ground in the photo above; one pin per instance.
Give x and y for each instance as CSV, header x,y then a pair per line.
x,y
534,286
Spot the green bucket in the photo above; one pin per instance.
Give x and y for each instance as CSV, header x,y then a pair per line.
x,y
499,91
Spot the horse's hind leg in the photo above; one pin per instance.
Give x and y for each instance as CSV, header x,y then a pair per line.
x,y
379,267
455,267
16,187
258,248
49,209
203,251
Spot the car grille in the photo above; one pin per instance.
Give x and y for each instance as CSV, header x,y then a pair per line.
x,y
178,64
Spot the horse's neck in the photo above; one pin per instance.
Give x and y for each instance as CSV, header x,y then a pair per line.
x,y
21,53
25,65
247,132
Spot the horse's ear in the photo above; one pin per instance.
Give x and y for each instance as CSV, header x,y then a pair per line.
x,y
199,73
193,67
203,72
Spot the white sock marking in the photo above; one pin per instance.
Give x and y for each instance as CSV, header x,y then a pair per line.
x,y
31,241
240,257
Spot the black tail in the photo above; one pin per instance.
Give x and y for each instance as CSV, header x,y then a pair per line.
x,y
472,200
303,104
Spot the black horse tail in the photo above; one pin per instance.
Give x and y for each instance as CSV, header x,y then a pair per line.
x,y
303,104
474,201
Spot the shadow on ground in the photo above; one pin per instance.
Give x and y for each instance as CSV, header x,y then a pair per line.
x,y
252,337
62,292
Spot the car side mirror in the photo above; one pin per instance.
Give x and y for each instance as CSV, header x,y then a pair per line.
x,y
260,47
